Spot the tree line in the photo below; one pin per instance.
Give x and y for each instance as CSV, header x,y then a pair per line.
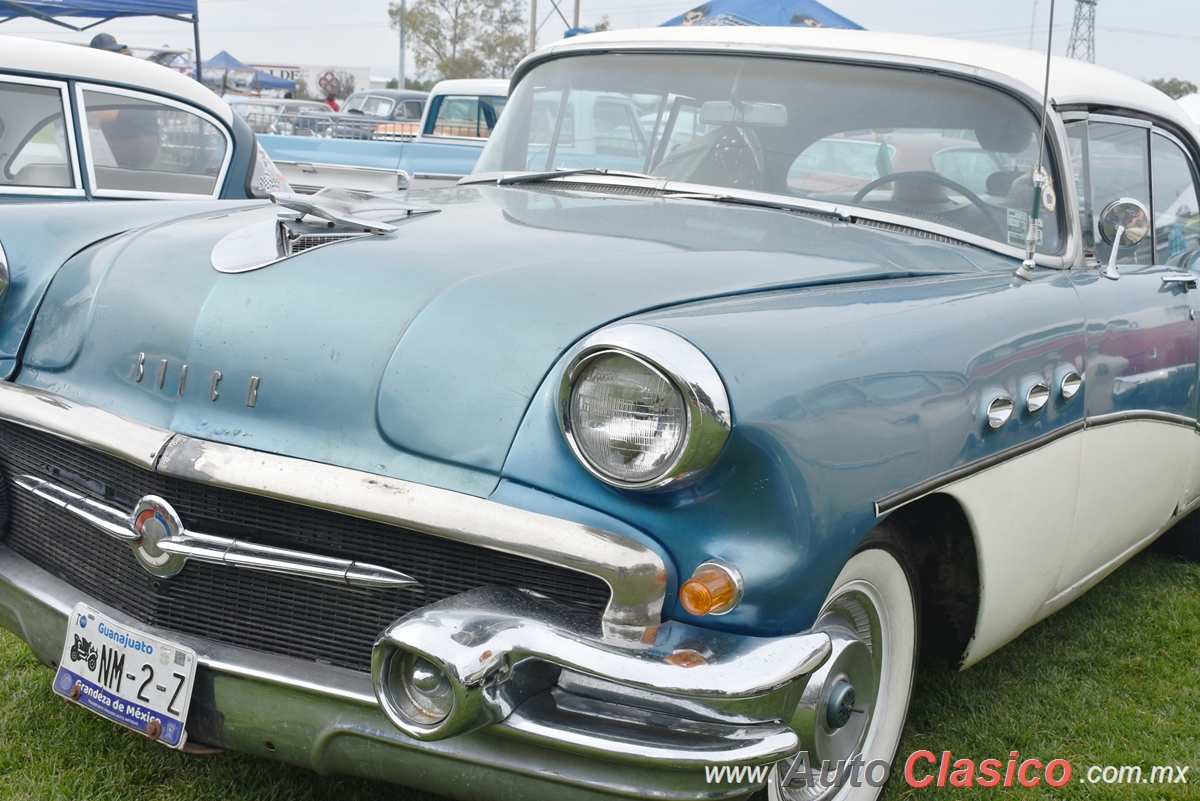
x,y
466,38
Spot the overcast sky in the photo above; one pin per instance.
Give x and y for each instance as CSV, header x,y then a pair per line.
x,y
1156,38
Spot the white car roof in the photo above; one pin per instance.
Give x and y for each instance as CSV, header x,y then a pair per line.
x,y
1071,81
471,86
57,60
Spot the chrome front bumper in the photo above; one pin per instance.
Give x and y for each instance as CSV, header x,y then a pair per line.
x,y
614,721
626,705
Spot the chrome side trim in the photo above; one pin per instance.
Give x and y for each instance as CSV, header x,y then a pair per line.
x,y
198,547
636,574
890,503
1160,417
330,166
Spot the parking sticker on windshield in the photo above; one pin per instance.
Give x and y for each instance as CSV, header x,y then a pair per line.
x,y
1018,228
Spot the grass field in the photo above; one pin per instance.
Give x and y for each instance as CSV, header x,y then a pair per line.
x,y
1112,680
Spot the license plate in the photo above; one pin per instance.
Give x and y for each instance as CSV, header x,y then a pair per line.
x,y
127,676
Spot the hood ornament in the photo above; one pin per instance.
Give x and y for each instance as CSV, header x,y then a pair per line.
x,y
310,221
341,207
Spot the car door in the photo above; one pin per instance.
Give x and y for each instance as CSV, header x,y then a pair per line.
x,y
1142,340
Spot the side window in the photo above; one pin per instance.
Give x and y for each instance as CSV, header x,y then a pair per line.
x,y
142,146
410,110
458,116
1118,166
1176,213
34,146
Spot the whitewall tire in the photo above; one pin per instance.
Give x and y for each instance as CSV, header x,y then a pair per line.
x,y
872,616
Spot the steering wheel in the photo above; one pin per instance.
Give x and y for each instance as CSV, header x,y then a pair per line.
x,y
935,177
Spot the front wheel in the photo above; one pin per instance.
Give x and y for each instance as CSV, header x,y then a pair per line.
x,y
1184,537
853,710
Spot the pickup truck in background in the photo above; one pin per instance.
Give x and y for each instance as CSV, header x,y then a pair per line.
x,y
443,147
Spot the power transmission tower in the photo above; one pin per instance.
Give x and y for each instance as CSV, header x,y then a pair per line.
x,y
1083,32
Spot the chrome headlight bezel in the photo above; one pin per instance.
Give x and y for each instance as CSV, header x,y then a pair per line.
x,y
688,370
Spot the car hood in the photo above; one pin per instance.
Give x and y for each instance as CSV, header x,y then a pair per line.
x,y
413,354
39,235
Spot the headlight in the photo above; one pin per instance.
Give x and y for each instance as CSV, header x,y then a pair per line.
x,y
419,690
642,407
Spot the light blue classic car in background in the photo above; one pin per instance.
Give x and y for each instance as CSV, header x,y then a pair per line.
x,y
436,151
658,443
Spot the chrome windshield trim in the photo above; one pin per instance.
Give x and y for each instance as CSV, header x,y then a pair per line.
x,y
635,574
836,212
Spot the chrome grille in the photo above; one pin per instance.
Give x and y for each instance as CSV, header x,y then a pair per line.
x,y
272,613
303,242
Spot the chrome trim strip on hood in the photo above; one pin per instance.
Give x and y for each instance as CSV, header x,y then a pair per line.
x,y
635,574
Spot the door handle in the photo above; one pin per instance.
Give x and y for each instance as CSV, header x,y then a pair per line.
x,y
1184,281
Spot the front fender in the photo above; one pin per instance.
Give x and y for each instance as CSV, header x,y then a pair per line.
x,y
842,396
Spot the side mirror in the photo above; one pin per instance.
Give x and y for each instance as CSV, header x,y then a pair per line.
x,y
1123,223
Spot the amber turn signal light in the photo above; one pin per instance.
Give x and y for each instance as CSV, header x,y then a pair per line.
x,y
714,589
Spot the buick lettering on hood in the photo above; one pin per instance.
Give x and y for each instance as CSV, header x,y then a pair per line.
x,y
745,363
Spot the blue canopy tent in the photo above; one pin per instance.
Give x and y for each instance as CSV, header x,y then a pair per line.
x,y
57,12
262,79
778,13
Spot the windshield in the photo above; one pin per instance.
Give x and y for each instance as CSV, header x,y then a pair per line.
x,y
372,105
937,148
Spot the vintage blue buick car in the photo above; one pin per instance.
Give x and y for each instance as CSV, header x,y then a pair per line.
x,y
88,124
657,444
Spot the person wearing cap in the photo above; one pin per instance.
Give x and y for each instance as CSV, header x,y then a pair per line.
x,y
106,41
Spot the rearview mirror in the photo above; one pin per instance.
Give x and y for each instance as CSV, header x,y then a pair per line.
x,y
721,112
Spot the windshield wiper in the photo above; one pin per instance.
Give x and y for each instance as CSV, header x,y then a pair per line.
x,y
768,201
530,177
